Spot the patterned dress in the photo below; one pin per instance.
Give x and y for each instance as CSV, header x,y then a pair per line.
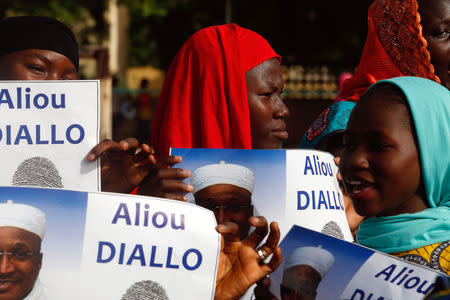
x,y
435,256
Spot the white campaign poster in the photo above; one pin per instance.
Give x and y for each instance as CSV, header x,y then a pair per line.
x,y
289,187
313,197
383,277
347,271
46,130
143,244
116,247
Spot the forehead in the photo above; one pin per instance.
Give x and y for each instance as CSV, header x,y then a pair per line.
x,y
382,110
10,236
221,192
434,9
267,72
42,54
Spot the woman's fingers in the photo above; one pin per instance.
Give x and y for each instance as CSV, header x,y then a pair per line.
x,y
261,229
110,145
177,197
150,154
175,185
173,173
101,148
129,143
274,262
273,239
230,234
168,161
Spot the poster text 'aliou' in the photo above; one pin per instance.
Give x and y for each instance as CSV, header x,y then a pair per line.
x,y
402,277
315,167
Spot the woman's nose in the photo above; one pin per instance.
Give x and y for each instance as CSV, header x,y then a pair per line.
x,y
281,111
354,159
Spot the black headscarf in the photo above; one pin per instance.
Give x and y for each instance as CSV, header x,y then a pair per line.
x,y
32,32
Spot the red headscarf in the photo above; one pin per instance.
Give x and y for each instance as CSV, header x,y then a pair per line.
x,y
394,47
203,102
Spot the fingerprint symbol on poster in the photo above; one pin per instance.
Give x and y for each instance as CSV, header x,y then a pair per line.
x,y
37,171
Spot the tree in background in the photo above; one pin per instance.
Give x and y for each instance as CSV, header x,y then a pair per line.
x,y
84,17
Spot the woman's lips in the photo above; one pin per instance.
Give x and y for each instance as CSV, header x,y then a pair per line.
x,y
281,134
359,188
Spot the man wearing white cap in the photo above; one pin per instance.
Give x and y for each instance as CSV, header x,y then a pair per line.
x,y
303,271
226,189
22,228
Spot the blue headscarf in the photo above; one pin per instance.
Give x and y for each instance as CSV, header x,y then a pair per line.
x,y
334,118
430,107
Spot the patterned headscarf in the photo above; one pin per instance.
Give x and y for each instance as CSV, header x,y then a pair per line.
x,y
394,47
333,119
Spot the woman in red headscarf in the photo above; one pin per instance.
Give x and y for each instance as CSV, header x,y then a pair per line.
x,y
221,85
222,90
405,38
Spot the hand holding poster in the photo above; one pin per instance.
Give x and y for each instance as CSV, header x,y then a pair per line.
x,y
47,129
110,246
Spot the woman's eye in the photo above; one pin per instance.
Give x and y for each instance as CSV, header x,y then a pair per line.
x,y
265,94
441,34
36,68
379,147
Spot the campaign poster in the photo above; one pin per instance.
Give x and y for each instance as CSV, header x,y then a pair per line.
x,y
113,246
313,197
344,270
46,131
292,187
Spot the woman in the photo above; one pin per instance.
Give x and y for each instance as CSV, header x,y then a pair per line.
x,y
405,38
396,169
222,91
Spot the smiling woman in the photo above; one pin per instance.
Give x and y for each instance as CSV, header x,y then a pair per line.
x,y
396,169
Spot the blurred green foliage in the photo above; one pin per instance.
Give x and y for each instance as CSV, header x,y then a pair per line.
x,y
73,13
